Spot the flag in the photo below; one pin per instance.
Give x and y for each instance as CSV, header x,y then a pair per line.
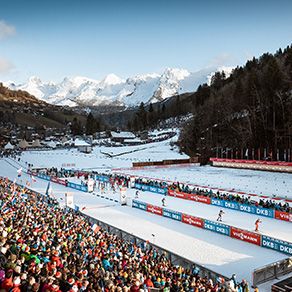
x,y
246,153
19,172
95,228
5,210
49,189
13,201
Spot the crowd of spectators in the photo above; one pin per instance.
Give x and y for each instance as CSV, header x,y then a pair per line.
x,y
150,182
85,175
52,249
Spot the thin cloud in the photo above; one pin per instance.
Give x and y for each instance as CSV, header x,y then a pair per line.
x,y
6,30
224,59
5,66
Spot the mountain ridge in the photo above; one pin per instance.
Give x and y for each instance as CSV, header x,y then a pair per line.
x,y
113,90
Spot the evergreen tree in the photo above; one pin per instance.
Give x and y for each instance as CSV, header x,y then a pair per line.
x,y
76,127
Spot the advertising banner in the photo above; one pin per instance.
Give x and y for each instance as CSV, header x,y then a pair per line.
x,y
180,195
61,182
217,202
139,205
54,179
138,186
153,189
200,199
145,188
83,189
162,191
77,187
276,244
244,235
264,162
69,200
172,214
265,212
283,216
154,209
44,176
192,197
217,227
195,221
244,208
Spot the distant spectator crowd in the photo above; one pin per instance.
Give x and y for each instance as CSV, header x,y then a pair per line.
x,y
242,199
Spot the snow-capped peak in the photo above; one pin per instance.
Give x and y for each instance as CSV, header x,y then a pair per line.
x,y
175,73
111,79
34,80
112,89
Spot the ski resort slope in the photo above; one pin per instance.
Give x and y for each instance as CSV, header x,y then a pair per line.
x,y
216,252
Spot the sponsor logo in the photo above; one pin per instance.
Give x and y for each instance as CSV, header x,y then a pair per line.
x,y
154,209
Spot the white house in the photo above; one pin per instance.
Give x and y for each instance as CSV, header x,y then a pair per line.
x,y
122,136
82,146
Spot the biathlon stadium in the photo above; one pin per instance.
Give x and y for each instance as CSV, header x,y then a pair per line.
x,y
93,222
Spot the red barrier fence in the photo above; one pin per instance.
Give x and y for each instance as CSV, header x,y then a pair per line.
x,y
278,163
283,216
154,209
58,181
244,235
192,197
192,220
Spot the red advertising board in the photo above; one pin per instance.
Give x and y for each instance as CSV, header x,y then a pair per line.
x,y
178,194
200,199
244,235
283,216
62,182
58,181
195,221
54,179
279,163
192,197
171,193
154,209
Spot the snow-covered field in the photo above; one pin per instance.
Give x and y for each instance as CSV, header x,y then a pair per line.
x,y
249,181
100,158
217,252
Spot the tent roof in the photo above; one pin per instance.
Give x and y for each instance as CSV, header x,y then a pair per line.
x,y
79,143
123,135
36,143
8,146
23,144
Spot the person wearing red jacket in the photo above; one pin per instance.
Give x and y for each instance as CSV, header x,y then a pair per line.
x,y
258,221
7,283
148,282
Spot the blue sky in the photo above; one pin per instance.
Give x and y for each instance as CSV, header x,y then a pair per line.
x,y
58,38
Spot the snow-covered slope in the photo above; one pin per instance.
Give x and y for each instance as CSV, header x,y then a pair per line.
x,y
113,90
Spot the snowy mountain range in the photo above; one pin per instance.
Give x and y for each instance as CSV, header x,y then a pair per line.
x,y
113,90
